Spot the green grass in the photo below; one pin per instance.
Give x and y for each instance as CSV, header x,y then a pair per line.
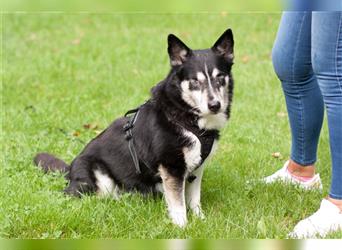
x,y
146,5
62,71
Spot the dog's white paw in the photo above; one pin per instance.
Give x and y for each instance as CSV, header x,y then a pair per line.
x,y
178,218
198,212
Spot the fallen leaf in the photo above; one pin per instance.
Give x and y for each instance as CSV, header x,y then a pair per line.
x,y
276,155
86,126
90,126
245,59
76,133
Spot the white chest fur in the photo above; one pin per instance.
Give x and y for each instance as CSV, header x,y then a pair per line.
x,y
105,184
192,153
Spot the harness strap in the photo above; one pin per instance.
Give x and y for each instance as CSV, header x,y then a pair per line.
x,y
132,111
129,137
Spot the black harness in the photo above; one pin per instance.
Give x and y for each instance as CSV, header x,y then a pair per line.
x,y
129,136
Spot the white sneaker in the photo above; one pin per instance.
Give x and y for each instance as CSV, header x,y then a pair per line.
x,y
284,175
326,220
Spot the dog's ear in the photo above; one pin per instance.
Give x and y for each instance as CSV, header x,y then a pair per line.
x,y
178,51
224,46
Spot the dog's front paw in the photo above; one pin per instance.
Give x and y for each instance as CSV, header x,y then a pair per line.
x,y
198,212
178,218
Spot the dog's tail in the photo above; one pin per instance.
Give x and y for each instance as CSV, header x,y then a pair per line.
x,y
50,163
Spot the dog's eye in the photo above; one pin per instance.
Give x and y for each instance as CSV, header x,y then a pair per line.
x,y
194,84
221,76
220,79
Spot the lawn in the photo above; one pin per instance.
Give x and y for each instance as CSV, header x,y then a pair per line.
x,y
67,76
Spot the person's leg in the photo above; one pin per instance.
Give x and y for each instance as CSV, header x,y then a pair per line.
x,y
291,56
327,64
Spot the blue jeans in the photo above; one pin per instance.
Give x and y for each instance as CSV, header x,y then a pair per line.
x,y
307,57
313,5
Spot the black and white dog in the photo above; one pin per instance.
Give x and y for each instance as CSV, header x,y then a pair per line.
x,y
164,146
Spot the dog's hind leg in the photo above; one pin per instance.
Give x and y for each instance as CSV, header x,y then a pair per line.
x,y
82,180
174,191
193,192
77,188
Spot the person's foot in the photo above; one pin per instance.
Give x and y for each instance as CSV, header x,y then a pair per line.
x,y
326,220
284,175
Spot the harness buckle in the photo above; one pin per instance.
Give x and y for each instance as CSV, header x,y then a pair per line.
x,y
127,126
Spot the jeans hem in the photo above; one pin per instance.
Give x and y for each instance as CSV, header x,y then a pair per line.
x,y
337,197
304,163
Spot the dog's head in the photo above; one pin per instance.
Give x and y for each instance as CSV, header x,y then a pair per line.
x,y
202,77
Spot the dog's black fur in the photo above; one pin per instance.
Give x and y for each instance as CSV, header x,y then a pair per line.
x,y
157,133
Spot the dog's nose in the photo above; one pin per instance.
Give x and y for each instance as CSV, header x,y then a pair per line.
x,y
214,106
